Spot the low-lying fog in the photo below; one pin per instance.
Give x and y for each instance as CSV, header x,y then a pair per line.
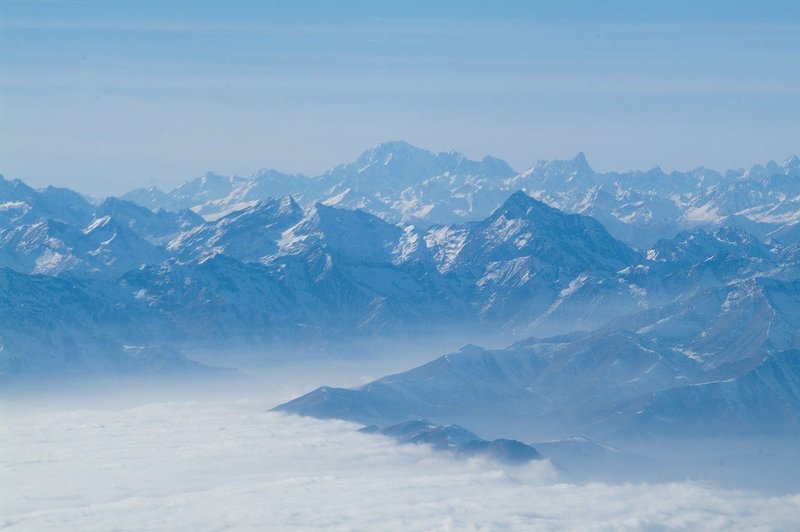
x,y
207,454
221,464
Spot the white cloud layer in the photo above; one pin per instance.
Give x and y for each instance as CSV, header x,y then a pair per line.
x,y
216,465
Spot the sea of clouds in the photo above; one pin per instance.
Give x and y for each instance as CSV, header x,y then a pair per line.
x,y
230,464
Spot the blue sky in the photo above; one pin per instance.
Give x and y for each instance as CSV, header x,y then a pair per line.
x,y
108,96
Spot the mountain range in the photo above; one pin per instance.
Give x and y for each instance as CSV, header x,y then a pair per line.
x,y
402,183
634,297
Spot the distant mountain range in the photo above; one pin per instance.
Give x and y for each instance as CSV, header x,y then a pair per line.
x,y
690,297
402,183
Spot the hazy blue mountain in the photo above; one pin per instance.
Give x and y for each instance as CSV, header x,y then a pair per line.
x,y
54,230
217,301
728,353
157,227
458,440
207,187
726,328
249,234
420,431
21,204
503,450
763,400
53,327
103,247
723,253
523,226
526,257
152,198
550,384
